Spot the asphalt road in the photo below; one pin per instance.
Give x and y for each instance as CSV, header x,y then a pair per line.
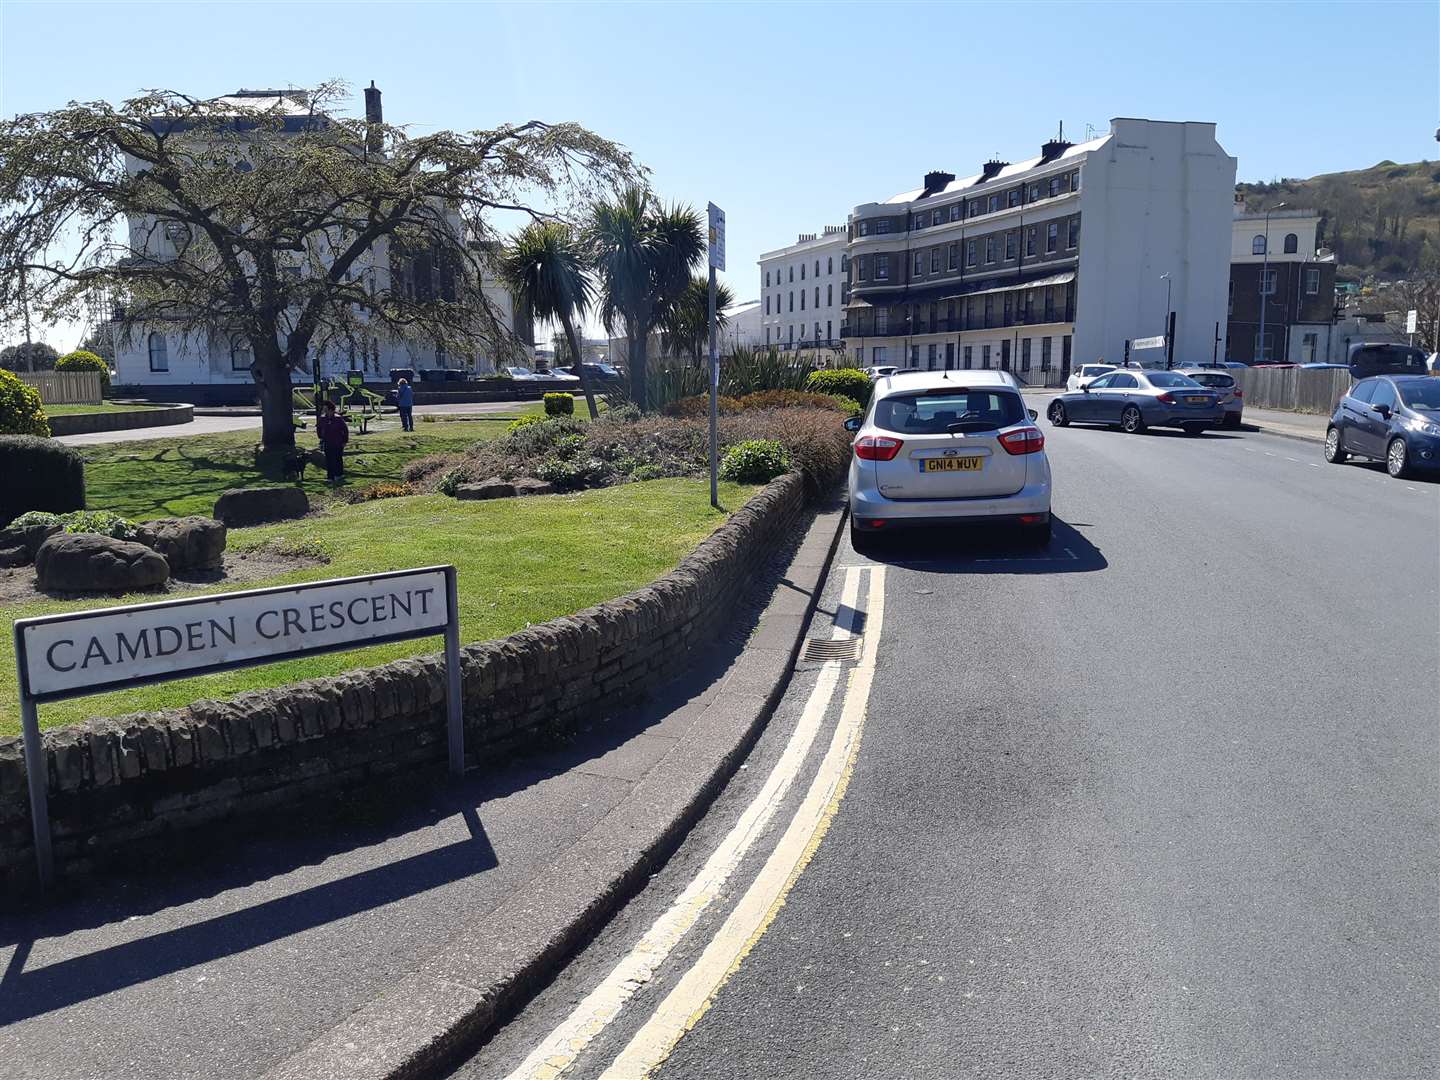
x,y
1160,802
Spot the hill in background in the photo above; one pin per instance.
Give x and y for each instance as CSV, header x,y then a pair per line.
x,y
1381,222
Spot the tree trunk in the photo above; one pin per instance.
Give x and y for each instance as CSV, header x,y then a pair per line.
x,y
272,377
569,326
637,367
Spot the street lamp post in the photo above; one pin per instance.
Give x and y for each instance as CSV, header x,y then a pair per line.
x,y
1264,272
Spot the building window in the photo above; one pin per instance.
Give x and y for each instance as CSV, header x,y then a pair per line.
x,y
1011,245
937,217
864,228
994,204
1013,198
1292,243
1262,350
969,252
817,329
844,292
1025,354
1065,341
1057,185
240,356
1052,237
829,295
1308,345
767,279
955,212
974,207
802,271
1267,283
969,356
1072,239
802,299
882,321
159,356
984,356
817,295
844,263
1312,282
829,264
989,312
919,263
829,330
914,355
1075,180
1009,313
953,257
792,299
792,274
879,354
882,267
989,250
931,355
1034,192
1045,354
790,334
1030,240
817,267
1257,245
1028,316
767,335
883,225
935,260
864,267
918,221
1050,303
767,305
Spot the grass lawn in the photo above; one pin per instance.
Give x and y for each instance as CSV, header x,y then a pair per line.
x,y
172,477
103,407
520,561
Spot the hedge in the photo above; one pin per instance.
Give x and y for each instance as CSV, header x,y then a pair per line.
x,y
81,360
40,474
846,382
559,404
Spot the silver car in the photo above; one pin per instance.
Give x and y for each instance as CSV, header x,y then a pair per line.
x,y
1224,384
1135,400
943,447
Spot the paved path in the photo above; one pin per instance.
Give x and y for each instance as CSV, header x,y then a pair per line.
x,y
209,425
1157,802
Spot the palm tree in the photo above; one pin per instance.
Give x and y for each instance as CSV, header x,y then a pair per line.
x,y
643,253
686,324
544,269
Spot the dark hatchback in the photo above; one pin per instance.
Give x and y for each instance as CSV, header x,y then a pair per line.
x,y
1390,418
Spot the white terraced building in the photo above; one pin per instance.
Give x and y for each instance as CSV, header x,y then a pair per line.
x,y
803,292
1056,260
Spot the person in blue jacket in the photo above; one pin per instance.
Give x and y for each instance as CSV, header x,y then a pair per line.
x,y
405,400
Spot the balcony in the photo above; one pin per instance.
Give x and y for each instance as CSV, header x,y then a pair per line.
x,y
901,328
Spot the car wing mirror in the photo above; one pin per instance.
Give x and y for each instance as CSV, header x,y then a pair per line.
x,y
1383,410
1033,414
852,423
1084,388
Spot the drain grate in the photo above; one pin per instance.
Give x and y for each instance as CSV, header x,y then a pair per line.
x,y
820,650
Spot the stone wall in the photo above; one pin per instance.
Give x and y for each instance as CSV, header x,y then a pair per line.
x,y
89,423
149,785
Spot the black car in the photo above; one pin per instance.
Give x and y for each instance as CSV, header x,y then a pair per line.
x,y
1390,418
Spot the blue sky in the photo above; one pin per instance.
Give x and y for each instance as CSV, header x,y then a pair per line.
x,y
788,114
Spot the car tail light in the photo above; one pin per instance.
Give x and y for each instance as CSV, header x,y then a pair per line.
x,y
1025,441
1237,391
1166,399
877,448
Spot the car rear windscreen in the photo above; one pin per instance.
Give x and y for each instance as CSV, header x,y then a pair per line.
x,y
1093,369
1221,382
934,413
1169,378
1386,359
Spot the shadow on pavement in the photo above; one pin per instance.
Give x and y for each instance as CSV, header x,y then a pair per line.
x,y
981,549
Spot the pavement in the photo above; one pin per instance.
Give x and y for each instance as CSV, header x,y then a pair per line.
x,y
1157,801
352,947
228,420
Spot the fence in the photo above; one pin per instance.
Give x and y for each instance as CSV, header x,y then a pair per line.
x,y
1293,389
64,387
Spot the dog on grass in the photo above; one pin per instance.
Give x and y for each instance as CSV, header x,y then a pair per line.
x,y
294,468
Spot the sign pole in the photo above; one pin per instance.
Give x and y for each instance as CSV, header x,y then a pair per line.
x,y
717,262
37,773
454,713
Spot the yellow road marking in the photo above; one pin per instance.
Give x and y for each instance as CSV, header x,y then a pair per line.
x,y
692,996
559,1050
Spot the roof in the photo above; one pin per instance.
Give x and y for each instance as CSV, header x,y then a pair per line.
x,y
284,102
1009,172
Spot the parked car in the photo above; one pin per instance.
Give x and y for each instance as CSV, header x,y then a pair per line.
x,y
1136,400
521,373
1223,383
1386,358
556,375
880,372
1082,375
602,372
1389,418
1321,367
938,447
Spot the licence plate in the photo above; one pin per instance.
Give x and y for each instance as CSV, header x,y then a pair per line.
x,y
952,464
1197,401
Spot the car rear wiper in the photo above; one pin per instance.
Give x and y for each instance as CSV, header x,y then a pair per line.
x,y
970,425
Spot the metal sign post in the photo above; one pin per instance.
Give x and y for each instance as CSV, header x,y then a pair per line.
x,y
717,262
84,652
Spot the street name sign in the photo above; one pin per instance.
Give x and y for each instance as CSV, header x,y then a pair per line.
x,y
717,237
84,652
1148,342
1411,321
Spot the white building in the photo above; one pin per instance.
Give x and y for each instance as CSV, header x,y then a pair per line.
x,y
803,293
157,356
744,328
1062,258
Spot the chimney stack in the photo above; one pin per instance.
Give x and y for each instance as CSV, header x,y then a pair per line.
x,y
374,117
990,168
936,181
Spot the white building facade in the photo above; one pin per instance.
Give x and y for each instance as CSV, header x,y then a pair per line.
x,y
803,292
154,355
1058,260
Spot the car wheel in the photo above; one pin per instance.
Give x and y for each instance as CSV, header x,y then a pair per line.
x,y
1131,422
1335,446
1397,459
1058,416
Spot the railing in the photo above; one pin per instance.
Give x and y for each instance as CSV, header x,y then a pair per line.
x,y
950,326
64,387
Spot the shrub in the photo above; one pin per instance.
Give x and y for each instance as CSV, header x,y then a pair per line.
x,y
39,474
846,382
450,482
796,399
423,468
104,522
572,474
21,412
384,489
755,461
524,422
80,360
559,404
699,406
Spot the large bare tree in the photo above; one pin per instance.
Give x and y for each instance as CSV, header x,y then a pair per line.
x,y
288,228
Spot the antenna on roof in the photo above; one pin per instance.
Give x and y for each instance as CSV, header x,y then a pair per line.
x,y
1061,136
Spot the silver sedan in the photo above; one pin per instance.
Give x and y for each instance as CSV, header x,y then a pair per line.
x,y
1136,400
